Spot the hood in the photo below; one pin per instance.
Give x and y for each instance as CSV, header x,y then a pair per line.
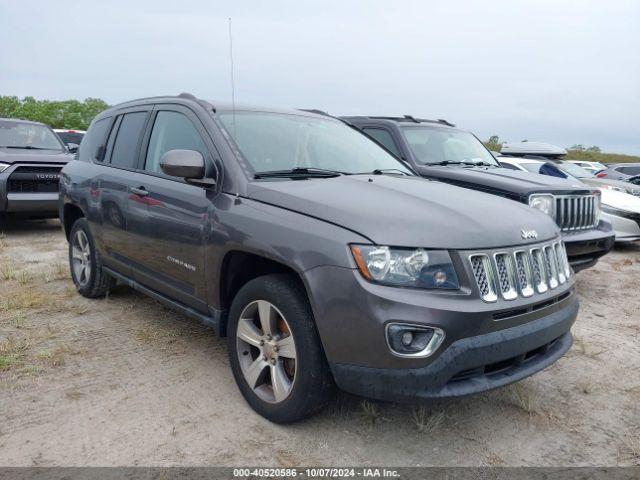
x,y
503,180
620,200
602,182
409,211
20,155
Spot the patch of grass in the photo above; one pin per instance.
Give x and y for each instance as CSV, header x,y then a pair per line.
x,y
12,353
61,271
371,412
630,447
8,272
24,277
147,334
25,300
57,356
426,421
17,319
524,397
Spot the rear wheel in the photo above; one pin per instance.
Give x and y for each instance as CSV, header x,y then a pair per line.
x,y
274,349
84,262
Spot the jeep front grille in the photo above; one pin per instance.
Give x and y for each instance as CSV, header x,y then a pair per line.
x,y
576,212
520,272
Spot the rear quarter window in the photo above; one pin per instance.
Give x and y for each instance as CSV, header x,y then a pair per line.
x,y
95,138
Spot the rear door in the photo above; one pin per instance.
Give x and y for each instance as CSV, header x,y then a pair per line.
x,y
171,244
121,211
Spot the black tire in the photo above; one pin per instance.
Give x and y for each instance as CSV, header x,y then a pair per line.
x,y
313,384
97,283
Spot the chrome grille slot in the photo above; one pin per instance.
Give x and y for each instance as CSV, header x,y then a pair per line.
x,y
524,273
513,273
576,212
506,276
551,266
483,274
557,250
540,272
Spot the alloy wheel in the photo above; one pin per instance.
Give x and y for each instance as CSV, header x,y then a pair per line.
x,y
266,351
81,258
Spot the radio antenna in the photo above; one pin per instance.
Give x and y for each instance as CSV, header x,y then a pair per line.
x,y
233,88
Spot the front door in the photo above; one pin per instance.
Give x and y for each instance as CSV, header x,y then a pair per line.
x,y
171,246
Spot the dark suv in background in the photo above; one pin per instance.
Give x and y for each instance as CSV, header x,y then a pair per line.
x,y
439,151
320,255
31,157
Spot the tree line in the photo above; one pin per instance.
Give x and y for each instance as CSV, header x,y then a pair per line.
x,y
69,114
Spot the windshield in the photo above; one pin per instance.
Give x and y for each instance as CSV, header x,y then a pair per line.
x,y
16,134
574,170
434,145
276,141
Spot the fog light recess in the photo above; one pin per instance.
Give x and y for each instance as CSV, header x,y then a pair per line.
x,y
406,340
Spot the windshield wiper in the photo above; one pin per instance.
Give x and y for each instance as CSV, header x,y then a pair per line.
x,y
454,162
382,171
300,172
26,147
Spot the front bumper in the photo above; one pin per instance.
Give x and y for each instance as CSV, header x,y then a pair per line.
x,y
626,228
351,315
28,203
585,247
470,365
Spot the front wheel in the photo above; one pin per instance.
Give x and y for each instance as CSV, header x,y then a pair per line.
x,y
84,262
275,352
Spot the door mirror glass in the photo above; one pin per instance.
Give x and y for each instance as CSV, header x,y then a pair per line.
x,y
72,147
188,164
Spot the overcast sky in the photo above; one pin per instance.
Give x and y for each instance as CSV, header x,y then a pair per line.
x,y
559,71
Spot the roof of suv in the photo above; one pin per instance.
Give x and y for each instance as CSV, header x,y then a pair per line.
x,y
215,105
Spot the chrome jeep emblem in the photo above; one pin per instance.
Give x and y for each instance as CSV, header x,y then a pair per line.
x,y
529,234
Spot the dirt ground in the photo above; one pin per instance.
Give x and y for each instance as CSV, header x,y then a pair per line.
x,y
124,381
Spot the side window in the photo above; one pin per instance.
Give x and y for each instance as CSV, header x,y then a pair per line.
x,y
171,131
125,147
95,138
629,170
384,137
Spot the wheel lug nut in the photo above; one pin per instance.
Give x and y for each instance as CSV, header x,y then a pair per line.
x,y
261,342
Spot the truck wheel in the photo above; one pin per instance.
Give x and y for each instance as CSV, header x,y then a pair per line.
x,y
85,264
275,352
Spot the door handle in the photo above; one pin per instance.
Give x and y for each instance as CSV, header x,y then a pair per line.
x,y
142,192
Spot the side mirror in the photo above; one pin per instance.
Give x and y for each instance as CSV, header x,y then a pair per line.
x,y
72,147
183,163
187,164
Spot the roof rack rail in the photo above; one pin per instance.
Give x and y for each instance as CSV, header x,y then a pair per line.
x,y
409,117
190,96
442,120
316,111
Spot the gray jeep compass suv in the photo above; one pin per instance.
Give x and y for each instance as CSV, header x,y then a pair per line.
x,y
321,257
31,157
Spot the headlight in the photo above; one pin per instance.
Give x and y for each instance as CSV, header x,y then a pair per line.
x,y
400,267
543,202
3,166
